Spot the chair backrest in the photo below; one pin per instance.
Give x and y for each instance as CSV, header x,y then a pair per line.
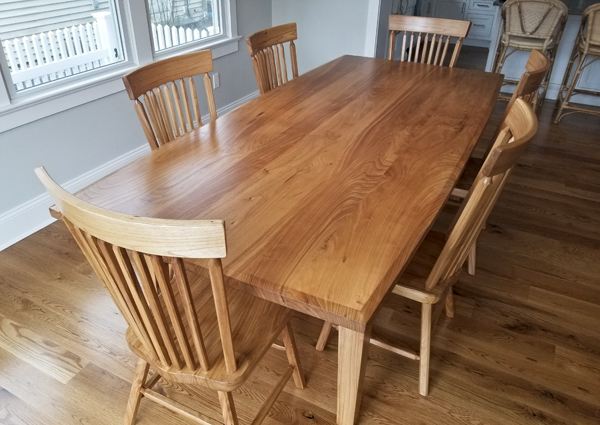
x,y
267,51
540,19
140,262
426,40
521,126
535,70
590,25
165,110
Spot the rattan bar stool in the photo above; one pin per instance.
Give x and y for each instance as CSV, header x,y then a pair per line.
x,y
585,51
531,25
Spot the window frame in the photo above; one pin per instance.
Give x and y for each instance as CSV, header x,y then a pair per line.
x,y
18,109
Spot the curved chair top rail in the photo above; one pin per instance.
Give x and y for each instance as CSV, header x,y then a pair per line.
x,y
158,73
156,236
441,26
165,96
261,40
591,22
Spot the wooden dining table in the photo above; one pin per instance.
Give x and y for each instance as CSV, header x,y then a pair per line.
x,y
327,185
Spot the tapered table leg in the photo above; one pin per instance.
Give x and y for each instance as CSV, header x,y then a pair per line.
x,y
353,350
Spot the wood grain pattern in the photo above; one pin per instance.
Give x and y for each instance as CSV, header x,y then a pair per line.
x,y
437,264
327,201
306,195
504,359
352,360
38,351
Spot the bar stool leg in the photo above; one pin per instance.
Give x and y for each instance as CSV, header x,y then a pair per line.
x,y
497,55
571,87
500,59
563,84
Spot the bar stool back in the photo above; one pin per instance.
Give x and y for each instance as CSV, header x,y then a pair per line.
x,y
531,25
585,51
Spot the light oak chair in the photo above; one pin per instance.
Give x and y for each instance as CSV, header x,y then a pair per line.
x,y
426,40
437,264
528,89
267,51
531,25
165,98
183,321
587,46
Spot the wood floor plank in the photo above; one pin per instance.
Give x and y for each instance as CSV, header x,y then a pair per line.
x,y
40,352
14,411
523,348
85,340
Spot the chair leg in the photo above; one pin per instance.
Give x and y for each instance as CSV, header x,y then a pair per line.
x,y
551,54
501,57
497,55
472,259
135,395
292,355
228,408
570,88
425,349
324,336
450,304
565,79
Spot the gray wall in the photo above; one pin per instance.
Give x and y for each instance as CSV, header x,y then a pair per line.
x,y
78,140
326,29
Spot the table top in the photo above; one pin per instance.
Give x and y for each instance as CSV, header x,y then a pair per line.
x,y
327,185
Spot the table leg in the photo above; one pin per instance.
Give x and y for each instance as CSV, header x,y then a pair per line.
x,y
353,348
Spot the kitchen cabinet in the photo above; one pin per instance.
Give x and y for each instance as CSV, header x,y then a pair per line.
x,y
451,9
481,13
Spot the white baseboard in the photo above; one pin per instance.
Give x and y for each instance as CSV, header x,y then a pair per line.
x,y
233,105
31,216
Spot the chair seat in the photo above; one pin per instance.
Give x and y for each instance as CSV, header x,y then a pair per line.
x,y
411,283
593,49
255,325
527,43
466,179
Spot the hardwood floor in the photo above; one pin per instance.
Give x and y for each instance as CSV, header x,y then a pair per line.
x,y
524,347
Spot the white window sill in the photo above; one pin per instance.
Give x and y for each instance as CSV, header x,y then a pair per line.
x,y
26,109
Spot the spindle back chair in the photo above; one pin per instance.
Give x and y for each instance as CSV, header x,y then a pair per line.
x,y
528,89
427,40
513,139
267,51
182,319
437,264
529,84
165,97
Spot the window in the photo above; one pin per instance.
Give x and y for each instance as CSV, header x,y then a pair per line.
x,y
178,22
56,59
51,42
